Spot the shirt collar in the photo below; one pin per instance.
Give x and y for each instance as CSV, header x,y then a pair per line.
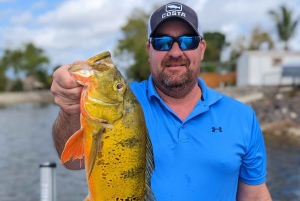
x,y
151,89
210,96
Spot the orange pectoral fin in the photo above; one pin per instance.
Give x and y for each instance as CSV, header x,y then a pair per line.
x,y
74,147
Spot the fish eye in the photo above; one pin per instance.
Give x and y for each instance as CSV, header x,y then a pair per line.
x,y
119,86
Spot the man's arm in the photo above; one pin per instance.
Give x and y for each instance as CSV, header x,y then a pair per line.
x,y
64,126
253,193
67,96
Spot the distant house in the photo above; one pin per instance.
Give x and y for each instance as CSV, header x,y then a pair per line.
x,y
30,83
266,68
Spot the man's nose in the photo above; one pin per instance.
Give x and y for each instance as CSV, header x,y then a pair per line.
x,y
175,51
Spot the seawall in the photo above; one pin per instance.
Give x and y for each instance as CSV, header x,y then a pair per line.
x,y
43,96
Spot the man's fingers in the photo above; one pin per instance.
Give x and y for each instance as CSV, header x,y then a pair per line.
x,y
66,90
69,101
64,79
73,93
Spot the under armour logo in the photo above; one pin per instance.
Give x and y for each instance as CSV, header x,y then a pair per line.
x,y
214,129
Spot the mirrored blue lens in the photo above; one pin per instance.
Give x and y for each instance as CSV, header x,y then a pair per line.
x,y
165,43
188,42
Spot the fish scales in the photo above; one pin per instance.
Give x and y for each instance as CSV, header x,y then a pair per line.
x,y
113,139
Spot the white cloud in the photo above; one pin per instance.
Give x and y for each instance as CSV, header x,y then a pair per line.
x,y
22,18
5,13
38,5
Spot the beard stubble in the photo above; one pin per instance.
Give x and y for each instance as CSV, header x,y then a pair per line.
x,y
176,84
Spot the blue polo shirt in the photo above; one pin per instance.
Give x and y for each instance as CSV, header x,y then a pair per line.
x,y
204,156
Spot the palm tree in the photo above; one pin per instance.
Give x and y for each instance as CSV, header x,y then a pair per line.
x,y
285,25
30,61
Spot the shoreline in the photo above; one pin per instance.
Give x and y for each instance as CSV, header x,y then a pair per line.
x,y
42,96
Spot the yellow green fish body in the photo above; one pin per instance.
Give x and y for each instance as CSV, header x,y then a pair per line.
x,y
113,137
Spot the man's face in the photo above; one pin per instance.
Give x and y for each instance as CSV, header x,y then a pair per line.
x,y
175,72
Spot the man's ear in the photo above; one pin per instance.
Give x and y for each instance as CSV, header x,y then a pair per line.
x,y
148,47
202,48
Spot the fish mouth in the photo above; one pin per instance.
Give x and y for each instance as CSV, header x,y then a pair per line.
x,y
102,102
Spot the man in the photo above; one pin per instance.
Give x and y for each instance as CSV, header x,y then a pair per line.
x,y
206,146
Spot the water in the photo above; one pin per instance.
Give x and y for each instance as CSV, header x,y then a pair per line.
x,y
283,177
26,142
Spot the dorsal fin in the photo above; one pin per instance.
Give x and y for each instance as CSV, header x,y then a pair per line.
x,y
149,196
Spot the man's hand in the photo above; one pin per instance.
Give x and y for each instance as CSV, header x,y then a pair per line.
x,y
66,90
67,94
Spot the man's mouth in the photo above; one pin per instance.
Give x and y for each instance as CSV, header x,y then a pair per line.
x,y
173,65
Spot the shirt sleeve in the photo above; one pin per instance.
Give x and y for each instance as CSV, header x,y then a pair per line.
x,y
253,167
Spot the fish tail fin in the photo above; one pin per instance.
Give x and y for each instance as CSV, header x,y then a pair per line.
x,y
74,148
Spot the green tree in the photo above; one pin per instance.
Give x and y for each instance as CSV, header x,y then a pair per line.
x,y
10,59
34,64
2,77
33,60
29,61
133,46
215,41
285,25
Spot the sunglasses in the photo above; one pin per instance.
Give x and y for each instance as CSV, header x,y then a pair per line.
x,y
165,43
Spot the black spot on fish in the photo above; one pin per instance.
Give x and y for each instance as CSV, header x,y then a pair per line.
x,y
130,142
132,173
104,175
131,198
100,162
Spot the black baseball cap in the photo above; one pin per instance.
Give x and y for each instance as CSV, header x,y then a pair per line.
x,y
174,10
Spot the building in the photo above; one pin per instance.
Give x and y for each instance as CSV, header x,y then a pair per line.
x,y
30,83
268,68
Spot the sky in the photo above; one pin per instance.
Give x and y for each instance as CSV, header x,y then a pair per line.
x,y
71,30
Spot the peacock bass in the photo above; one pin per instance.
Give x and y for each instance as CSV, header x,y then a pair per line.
x,y
113,139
